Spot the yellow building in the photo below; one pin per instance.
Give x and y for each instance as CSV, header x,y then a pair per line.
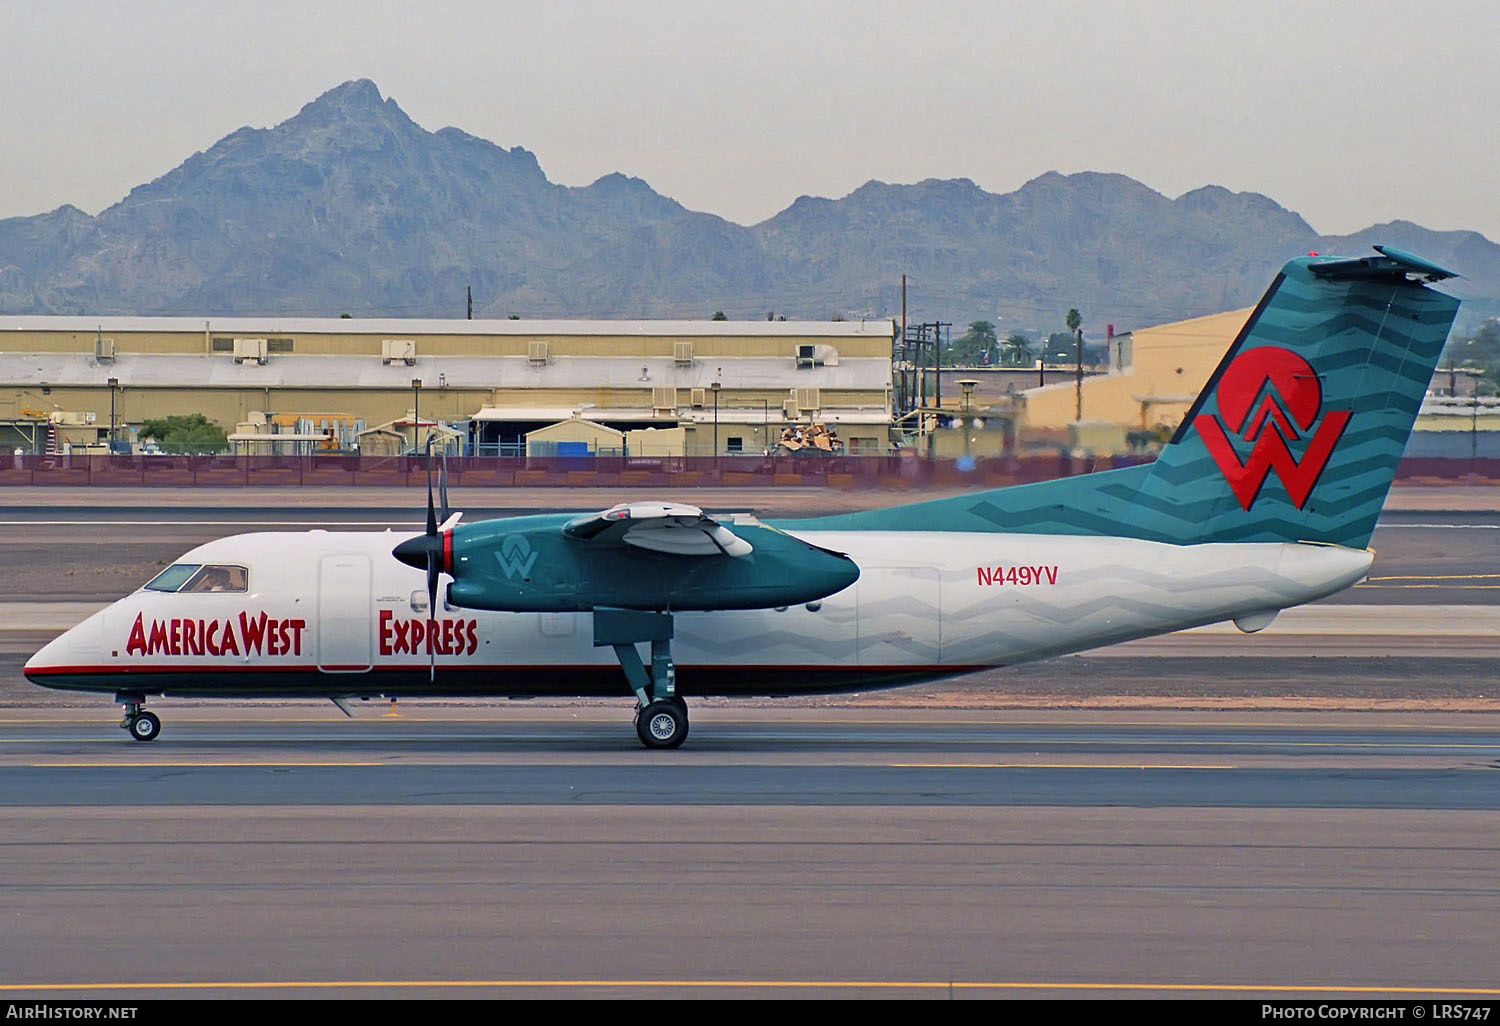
x,y
1155,374
67,380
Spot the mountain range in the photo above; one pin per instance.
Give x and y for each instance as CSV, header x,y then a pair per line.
x,y
352,207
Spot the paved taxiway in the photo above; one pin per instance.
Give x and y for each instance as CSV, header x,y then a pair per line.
x,y
527,850
790,848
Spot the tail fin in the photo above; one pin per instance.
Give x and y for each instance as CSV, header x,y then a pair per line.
x,y
1298,432
1295,437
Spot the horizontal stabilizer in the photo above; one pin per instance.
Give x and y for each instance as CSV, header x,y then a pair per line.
x,y
1391,265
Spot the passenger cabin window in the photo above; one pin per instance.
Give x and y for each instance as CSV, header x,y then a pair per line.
x,y
195,577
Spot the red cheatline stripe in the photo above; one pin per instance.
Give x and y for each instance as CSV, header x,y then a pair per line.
x,y
132,669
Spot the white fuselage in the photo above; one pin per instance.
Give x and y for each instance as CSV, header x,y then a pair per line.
x,y
333,613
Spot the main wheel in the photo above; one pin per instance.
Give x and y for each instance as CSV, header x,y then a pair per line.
x,y
663,723
145,726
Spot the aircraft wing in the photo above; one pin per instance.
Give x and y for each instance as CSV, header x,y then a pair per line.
x,y
660,527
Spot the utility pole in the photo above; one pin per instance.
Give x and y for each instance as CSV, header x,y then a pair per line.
x,y
937,364
905,352
469,289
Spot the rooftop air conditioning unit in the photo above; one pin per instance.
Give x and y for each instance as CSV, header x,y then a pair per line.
x,y
536,352
699,398
104,350
789,409
807,355
252,349
398,350
664,399
682,352
807,398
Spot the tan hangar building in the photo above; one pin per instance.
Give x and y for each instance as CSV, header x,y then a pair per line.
x,y
705,386
1154,376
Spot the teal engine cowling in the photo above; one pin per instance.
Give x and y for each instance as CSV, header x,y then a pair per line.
x,y
554,563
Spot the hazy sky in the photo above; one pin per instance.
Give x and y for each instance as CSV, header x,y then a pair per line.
x,y
1350,113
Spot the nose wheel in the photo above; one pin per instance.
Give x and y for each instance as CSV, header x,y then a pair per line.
x,y
140,724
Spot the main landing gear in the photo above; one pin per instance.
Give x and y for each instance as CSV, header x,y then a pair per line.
x,y
661,718
141,725
662,723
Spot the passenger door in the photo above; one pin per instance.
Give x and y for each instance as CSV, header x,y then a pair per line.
x,y
345,635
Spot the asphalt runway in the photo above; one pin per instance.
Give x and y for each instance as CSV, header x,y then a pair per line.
x,y
526,851
955,840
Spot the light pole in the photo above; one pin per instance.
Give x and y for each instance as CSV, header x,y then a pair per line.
x,y
416,414
715,387
967,420
114,383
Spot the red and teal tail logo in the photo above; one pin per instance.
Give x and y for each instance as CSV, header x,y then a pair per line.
x,y
1271,397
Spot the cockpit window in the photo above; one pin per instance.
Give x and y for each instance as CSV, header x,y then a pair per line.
x,y
218,578
194,577
173,577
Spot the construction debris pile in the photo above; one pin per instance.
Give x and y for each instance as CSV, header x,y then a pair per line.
x,y
819,437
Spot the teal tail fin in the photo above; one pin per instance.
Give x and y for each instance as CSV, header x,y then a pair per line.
x,y
1296,435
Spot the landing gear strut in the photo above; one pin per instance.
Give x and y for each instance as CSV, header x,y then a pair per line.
x,y
661,719
141,725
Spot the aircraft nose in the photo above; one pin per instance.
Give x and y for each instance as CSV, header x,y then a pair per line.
x,y
79,645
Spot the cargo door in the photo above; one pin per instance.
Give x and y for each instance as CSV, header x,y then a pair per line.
x,y
345,634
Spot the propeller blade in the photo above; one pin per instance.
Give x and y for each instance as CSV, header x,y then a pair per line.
x,y
432,588
431,511
443,484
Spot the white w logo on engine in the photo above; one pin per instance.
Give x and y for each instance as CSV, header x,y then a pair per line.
x,y
515,556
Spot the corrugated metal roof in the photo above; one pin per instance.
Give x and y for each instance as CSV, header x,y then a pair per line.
x,y
392,327
220,371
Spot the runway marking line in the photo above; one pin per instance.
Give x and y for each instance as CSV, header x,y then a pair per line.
x,y
1437,577
1053,765
747,984
1452,587
193,765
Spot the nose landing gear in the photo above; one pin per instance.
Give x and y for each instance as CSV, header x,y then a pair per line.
x,y
141,725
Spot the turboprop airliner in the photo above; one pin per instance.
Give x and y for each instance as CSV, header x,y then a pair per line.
x,y
1265,498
